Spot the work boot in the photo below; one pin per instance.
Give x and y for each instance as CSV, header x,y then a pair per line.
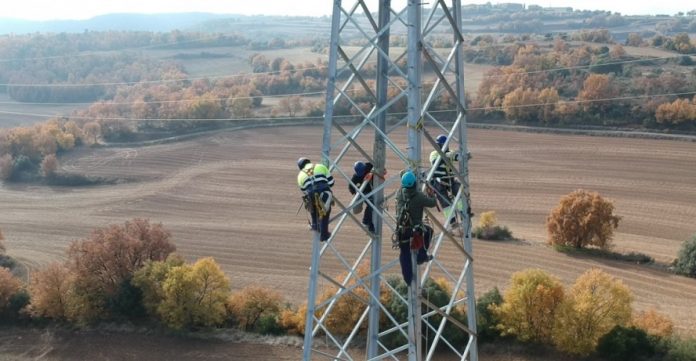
x,y
370,227
325,236
428,258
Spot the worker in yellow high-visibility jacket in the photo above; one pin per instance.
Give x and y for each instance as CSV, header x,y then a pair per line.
x,y
315,181
444,181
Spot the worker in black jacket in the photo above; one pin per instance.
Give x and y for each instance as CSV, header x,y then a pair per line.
x,y
363,175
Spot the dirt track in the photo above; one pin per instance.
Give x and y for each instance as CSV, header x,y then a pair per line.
x,y
232,196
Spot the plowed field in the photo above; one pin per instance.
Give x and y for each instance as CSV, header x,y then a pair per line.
x,y
233,196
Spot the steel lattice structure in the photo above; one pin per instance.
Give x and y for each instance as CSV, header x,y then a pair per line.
x,y
386,85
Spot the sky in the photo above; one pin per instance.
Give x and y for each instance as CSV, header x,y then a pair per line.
x,y
84,9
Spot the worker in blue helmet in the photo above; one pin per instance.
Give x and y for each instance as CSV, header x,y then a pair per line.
x,y
444,180
315,182
363,175
411,233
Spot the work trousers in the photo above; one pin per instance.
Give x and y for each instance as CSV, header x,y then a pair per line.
x,y
421,255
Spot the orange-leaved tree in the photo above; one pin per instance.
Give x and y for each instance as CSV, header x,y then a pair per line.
x,y
582,219
594,305
253,303
529,306
653,323
51,290
9,286
596,89
104,263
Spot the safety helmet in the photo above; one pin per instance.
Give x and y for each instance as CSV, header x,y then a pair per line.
x,y
408,180
441,139
302,162
360,168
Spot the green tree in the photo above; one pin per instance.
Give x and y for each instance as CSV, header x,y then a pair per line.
x,y
686,260
150,280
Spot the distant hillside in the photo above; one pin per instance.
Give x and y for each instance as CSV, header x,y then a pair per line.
x,y
132,22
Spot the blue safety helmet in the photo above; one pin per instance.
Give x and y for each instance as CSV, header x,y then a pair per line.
x,y
408,180
302,162
441,139
360,168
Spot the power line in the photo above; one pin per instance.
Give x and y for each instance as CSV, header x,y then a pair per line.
x,y
348,116
237,75
226,76
108,102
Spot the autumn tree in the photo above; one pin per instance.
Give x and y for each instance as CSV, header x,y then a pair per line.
x,y
9,286
92,131
617,52
653,322
582,219
51,290
680,111
194,295
240,107
49,166
682,43
6,167
594,305
253,303
549,98
596,89
290,105
529,307
104,263
521,105
634,39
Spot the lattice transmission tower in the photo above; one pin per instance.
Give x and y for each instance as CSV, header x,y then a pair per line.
x,y
388,76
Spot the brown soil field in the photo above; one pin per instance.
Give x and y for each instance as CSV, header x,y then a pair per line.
x,y
232,196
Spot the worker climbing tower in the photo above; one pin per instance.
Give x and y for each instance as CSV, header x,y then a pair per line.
x,y
387,101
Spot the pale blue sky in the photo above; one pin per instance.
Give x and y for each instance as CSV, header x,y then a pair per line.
x,y
82,9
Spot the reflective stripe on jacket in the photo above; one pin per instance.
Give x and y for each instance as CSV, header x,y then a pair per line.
x,y
314,177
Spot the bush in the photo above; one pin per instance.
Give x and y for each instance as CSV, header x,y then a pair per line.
x,y
488,228
582,219
654,323
293,320
682,350
486,320
529,308
269,325
252,304
437,292
595,304
686,260
625,344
